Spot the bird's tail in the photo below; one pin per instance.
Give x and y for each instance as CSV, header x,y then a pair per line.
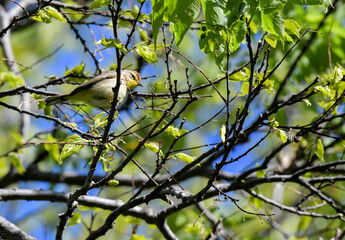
x,y
55,99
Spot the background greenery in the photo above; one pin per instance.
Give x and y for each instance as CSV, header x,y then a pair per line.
x,y
239,123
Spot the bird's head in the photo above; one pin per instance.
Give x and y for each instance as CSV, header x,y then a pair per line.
x,y
132,78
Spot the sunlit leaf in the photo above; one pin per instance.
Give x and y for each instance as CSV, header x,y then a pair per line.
x,y
292,27
99,3
76,219
184,157
16,162
113,183
52,149
55,13
147,54
222,133
70,149
116,43
175,132
319,149
12,79
282,135
101,120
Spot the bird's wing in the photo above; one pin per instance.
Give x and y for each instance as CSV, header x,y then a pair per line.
x,y
93,81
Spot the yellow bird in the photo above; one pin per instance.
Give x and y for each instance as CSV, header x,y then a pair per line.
x,y
98,91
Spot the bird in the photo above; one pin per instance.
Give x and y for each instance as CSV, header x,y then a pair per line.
x,y
98,91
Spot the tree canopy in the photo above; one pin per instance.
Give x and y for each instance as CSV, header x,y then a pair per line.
x,y
237,132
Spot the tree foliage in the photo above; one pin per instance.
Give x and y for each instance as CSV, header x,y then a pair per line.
x,y
237,133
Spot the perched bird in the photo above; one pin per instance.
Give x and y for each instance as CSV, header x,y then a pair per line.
x,y
98,91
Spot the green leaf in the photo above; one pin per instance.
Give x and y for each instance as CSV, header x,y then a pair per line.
x,y
253,5
222,133
274,123
54,13
16,162
107,43
101,120
113,183
282,135
237,35
154,147
182,17
319,149
12,79
52,149
338,74
99,3
70,149
292,27
146,53
307,2
272,40
214,12
48,110
269,6
244,89
326,91
159,8
175,132
77,72
238,76
273,23
234,10
18,138
307,102
138,237
42,16
184,157
260,173
76,219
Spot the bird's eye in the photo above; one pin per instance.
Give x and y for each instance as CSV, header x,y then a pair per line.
x,y
133,76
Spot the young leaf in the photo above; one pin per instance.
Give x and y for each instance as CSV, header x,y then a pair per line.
x,y
320,150
282,135
272,40
52,149
70,149
326,91
77,72
99,3
12,79
175,132
113,183
292,27
184,157
107,43
222,133
244,89
76,219
54,13
147,54
100,120
260,173
154,147
16,162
